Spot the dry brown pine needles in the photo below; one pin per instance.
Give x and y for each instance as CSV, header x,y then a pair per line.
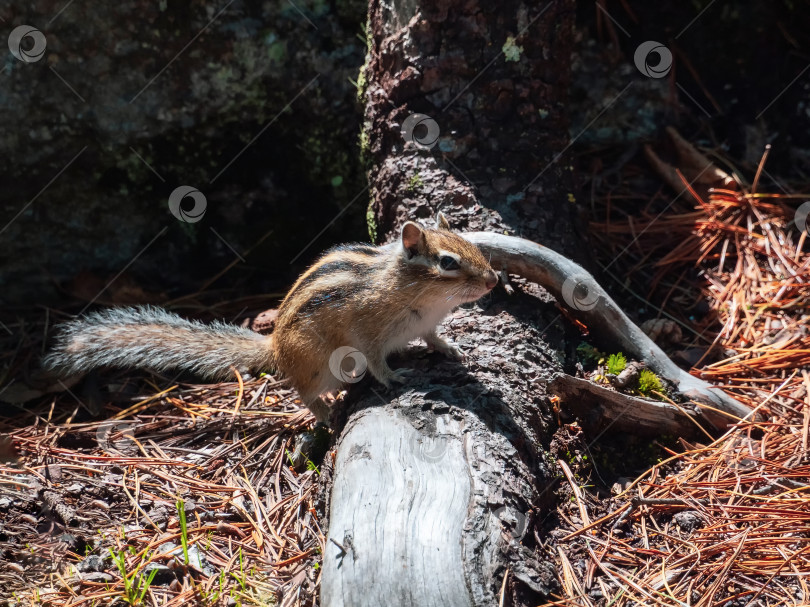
x,y
731,524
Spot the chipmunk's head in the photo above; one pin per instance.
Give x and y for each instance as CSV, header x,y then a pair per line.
x,y
460,270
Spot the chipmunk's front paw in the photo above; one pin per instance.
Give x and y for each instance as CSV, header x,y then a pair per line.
x,y
450,350
453,351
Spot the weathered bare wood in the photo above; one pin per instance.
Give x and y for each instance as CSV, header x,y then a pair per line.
x,y
573,285
410,488
620,412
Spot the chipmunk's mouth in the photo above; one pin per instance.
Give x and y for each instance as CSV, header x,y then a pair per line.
x,y
474,293
480,290
472,290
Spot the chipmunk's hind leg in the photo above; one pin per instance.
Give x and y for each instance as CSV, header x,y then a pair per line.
x,y
319,409
320,383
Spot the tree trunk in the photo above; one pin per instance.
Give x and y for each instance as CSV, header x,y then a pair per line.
x,y
437,486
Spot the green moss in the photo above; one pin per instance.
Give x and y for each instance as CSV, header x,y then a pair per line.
x,y
362,81
511,51
364,138
370,221
415,183
367,33
362,84
648,383
588,353
326,156
365,141
616,363
277,51
136,171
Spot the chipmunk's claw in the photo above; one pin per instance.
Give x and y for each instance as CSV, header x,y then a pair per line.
x,y
451,351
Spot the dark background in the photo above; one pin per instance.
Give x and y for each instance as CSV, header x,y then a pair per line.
x,y
256,105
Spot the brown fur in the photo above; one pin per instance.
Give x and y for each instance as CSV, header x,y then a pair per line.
x,y
369,300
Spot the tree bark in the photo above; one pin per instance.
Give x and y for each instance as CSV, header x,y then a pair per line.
x,y
437,486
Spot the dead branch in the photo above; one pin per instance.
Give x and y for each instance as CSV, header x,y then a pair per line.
x,y
626,413
578,290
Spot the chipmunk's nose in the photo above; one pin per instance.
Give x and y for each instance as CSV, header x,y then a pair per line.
x,y
492,279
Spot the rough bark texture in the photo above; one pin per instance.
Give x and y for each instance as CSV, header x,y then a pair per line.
x,y
437,486
493,77
132,99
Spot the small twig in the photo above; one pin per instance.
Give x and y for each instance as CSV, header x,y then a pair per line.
x,y
507,285
760,167
503,588
583,511
339,545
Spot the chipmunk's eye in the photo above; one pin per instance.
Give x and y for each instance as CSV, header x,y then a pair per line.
x,y
448,263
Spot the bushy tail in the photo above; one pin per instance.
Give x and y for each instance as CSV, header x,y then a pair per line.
x,y
151,338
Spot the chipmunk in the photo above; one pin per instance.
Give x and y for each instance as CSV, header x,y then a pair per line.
x,y
357,301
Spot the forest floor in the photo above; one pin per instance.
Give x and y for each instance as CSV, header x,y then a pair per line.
x,y
193,483
124,494
726,520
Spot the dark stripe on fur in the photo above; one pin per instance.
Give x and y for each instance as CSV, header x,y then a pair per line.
x,y
327,269
327,297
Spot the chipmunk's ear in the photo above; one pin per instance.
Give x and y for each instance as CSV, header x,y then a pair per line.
x,y
413,239
441,222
